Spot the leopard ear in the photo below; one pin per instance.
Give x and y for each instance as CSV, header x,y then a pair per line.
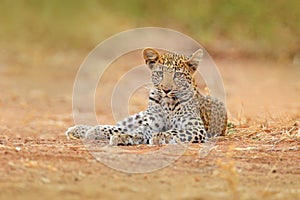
x,y
195,59
151,56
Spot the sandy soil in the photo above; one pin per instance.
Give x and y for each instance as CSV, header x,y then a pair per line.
x,y
258,159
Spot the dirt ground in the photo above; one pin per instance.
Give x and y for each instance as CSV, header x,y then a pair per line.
x,y
258,159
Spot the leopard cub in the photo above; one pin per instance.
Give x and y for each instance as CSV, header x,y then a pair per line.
x,y
176,112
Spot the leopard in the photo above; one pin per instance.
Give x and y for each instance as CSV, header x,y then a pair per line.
x,y
177,111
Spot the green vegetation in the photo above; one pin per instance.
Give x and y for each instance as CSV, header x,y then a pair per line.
x,y
256,27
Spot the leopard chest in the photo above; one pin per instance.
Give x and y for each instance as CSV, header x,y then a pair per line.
x,y
176,113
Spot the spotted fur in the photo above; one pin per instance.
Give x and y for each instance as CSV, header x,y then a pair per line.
x,y
176,112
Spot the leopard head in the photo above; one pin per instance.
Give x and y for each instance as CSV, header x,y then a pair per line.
x,y
172,73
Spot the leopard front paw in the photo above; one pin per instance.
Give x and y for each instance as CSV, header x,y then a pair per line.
x,y
123,139
97,133
162,138
77,132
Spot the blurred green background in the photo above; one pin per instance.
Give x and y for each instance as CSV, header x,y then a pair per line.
x,y
250,28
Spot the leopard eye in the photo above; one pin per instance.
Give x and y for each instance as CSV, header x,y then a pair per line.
x,y
158,73
178,74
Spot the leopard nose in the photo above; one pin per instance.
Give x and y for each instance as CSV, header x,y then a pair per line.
x,y
166,91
